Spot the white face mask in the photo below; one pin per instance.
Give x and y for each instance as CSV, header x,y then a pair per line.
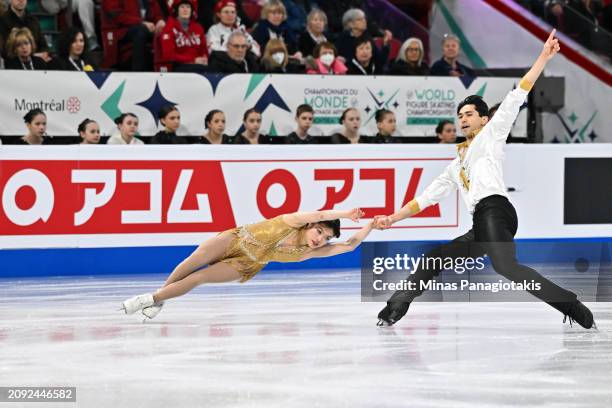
x,y
278,57
327,59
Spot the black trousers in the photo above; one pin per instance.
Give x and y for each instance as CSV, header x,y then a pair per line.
x,y
494,226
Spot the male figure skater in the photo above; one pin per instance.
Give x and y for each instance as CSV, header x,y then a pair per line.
x,y
477,173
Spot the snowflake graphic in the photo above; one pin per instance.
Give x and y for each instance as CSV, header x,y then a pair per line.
x,y
73,105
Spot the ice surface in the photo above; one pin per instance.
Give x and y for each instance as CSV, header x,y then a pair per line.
x,y
295,339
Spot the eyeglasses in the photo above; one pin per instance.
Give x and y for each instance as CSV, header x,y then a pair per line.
x,y
239,46
413,49
20,43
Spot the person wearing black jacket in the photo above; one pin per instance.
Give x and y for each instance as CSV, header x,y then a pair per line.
x,y
20,49
304,117
18,17
409,60
251,123
387,125
237,60
170,118
363,63
72,52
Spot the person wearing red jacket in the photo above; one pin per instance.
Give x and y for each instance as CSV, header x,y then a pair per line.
x,y
135,22
183,41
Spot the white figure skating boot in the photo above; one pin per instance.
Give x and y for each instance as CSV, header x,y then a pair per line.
x,y
152,311
137,303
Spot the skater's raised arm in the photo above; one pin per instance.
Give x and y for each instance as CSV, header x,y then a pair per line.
x,y
505,116
299,219
338,248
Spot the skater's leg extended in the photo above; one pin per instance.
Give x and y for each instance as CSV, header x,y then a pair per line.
x,y
495,227
217,273
208,252
398,304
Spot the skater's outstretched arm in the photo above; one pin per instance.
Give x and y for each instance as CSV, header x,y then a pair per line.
x,y
441,187
338,248
504,118
299,219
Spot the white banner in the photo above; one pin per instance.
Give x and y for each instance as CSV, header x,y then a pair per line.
x,y
69,97
114,196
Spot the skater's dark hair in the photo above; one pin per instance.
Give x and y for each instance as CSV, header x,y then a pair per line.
x,y
165,111
441,124
83,125
248,112
209,117
303,108
29,117
380,114
480,105
119,119
333,225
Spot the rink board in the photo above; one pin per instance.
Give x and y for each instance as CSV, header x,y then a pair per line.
x,y
70,210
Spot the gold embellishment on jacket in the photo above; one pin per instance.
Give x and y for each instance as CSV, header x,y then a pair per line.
x,y
525,85
461,152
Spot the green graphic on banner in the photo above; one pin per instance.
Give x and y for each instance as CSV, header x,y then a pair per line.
x,y
427,121
111,105
254,83
326,120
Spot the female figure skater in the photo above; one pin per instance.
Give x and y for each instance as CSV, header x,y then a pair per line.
x,y
239,253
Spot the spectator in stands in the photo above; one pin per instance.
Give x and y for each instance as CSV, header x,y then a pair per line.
x,y
273,25
446,132
208,9
448,64
325,61
127,123
214,123
135,22
228,21
351,124
20,49
304,116
409,60
18,17
236,60
86,12
316,23
36,122
252,124
335,11
297,12
170,118
579,20
276,59
183,41
72,52
89,132
355,27
387,125
363,63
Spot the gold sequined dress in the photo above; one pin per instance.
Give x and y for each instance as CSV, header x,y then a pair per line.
x,y
255,245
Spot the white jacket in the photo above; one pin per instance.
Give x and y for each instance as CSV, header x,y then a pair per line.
x,y
482,162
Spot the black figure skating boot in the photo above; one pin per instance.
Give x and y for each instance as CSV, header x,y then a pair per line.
x,y
391,313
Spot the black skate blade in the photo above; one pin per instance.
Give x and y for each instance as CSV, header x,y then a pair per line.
x,y
384,323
